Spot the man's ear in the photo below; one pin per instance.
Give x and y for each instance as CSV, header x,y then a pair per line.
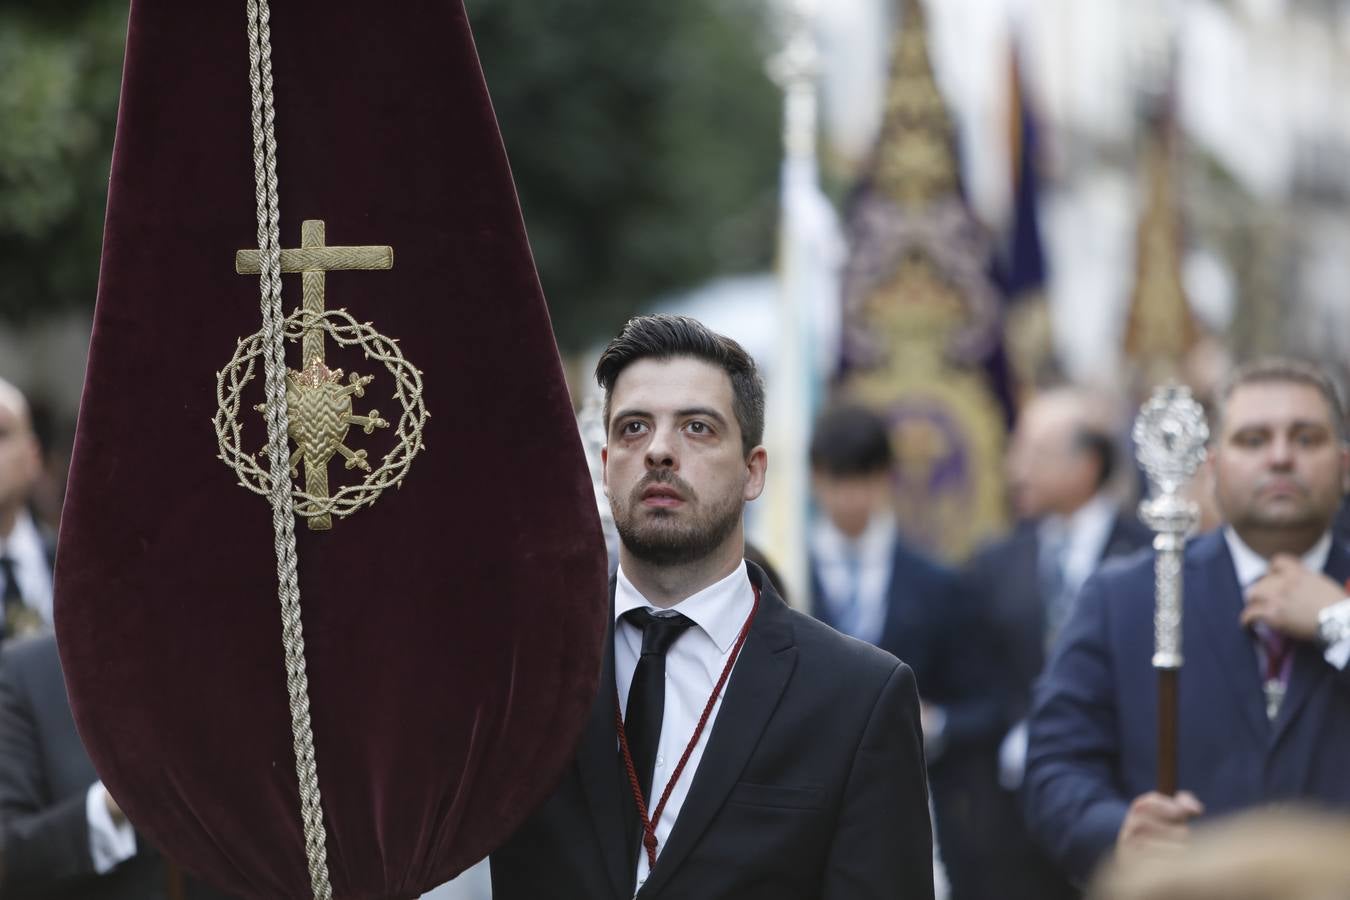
x,y
757,467
604,468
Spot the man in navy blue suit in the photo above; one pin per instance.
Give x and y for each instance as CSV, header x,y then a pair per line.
x,y
1264,691
869,584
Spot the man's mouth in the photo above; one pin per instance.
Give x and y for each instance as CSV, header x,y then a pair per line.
x,y
662,495
1282,487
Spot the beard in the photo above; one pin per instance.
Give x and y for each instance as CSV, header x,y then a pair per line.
x,y
659,537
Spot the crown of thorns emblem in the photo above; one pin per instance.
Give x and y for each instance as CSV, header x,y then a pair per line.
x,y
319,406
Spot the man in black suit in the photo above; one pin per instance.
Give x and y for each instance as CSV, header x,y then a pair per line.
x,y
869,584
804,776
1060,463
26,552
64,837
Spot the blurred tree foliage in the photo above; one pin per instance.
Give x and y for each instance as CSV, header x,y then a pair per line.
x,y
60,69
643,137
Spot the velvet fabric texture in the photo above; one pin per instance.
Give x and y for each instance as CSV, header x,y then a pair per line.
x,y
454,629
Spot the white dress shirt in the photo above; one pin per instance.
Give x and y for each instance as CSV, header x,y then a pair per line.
x,y
110,843
32,568
868,558
1251,567
693,665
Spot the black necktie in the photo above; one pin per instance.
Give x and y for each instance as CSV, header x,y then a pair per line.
x,y
647,694
13,597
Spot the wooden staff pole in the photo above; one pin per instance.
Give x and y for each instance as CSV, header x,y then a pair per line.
x,y
1167,731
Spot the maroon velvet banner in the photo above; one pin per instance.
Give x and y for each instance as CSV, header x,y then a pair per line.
x,y
454,628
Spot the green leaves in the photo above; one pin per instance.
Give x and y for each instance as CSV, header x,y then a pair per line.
x,y
58,95
644,138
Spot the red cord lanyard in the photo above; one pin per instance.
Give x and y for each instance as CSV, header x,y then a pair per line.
x,y
649,824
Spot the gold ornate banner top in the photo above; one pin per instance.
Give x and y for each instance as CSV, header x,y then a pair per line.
x,y
1161,328
916,162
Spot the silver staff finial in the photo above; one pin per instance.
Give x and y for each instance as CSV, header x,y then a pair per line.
x,y
1169,436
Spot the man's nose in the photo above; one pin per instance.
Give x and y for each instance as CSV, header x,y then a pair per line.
x,y
661,450
1281,452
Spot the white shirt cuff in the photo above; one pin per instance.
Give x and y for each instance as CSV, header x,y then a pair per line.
x,y
109,844
1338,654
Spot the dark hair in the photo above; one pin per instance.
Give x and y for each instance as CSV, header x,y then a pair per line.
x,y
850,440
1103,447
666,337
1286,370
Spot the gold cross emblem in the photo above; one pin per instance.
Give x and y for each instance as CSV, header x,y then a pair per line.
x,y
314,260
318,404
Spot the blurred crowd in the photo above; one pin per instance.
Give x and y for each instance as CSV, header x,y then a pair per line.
x,y
1033,660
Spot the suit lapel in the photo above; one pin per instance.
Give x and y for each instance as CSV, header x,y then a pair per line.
x,y
597,764
1309,668
757,682
1214,597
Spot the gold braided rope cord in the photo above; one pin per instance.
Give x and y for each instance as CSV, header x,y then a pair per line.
x,y
339,325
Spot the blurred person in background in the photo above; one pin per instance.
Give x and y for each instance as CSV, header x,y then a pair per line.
x,y
27,552
1287,854
1060,464
62,835
868,583
1264,704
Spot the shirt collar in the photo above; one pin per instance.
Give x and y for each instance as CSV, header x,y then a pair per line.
x,y
1251,566
24,541
876,542
1094,516
719,609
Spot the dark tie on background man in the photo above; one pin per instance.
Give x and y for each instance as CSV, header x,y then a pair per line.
x,y
13,598
647,703
850,605
1055,593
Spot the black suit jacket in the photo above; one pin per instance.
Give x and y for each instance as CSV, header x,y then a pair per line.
x,y
931,625
811,786
45,776
1004,578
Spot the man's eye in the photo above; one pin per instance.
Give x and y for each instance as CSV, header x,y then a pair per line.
x,y
698,427
631,428
1248,439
